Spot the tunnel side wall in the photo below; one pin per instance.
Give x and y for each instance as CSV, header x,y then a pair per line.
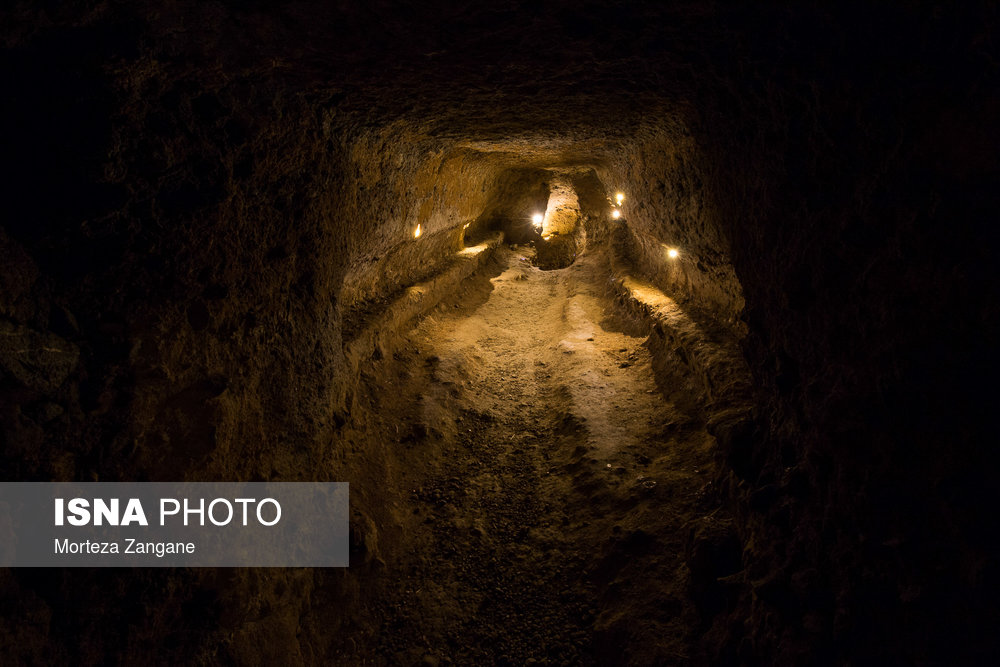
x,y
180,249
832,206
661,172
855,203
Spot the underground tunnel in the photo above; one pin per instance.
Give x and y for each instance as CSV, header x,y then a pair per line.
x,y
644,333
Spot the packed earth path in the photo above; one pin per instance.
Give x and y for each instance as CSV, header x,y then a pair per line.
x,y
551,485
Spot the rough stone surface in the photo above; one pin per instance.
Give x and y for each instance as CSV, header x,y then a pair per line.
x,y
203,200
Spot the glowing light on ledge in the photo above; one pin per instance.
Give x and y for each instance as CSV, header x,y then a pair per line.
x,y
619,198
417,232
673,253
616,214
473,250
537,219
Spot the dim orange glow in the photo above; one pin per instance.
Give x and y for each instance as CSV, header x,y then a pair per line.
x,y
473,250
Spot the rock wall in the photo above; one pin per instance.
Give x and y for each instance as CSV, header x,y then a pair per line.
x,y
204,200
849,175
661,172
562,236
183,249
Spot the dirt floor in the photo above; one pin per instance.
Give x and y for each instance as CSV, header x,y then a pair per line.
x,y
548,490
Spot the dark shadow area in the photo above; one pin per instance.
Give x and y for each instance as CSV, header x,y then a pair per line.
x,y
241,241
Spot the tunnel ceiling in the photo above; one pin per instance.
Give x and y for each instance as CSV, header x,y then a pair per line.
x,y
561,83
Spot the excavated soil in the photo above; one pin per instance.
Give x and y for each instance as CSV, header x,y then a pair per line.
x,y
208,204
549,489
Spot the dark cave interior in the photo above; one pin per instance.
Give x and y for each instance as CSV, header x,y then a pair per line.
x,y
216,215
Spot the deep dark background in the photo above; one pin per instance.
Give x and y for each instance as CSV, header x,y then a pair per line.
x,y
192,193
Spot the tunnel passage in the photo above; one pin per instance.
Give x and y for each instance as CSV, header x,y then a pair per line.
x,y
540,208
562,230
533,429
233,232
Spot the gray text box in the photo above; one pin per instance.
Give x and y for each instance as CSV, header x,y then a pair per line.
x,y
312,530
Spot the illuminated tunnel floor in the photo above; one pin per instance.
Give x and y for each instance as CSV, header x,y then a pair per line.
x,y
551,485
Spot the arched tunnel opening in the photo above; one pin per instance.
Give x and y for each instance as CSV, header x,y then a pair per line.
x,y
643,333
